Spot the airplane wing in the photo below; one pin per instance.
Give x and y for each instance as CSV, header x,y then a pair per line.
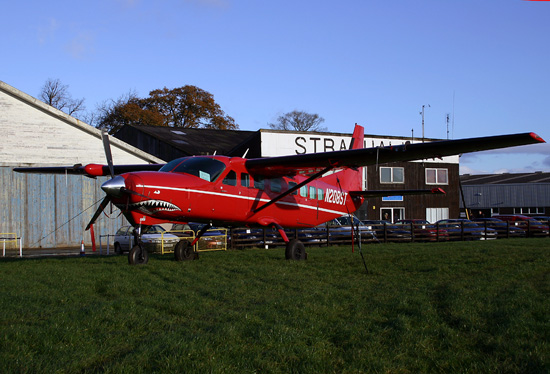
x,y
311,163
90,170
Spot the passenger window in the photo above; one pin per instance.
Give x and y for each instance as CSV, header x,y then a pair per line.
x,y
292,185
312,192
303,191
320,194
275,185
230,179
259,182
245,180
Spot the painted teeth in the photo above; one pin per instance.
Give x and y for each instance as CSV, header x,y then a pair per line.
x,y
155,204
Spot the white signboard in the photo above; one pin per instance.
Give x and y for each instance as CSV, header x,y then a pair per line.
x,y
288,143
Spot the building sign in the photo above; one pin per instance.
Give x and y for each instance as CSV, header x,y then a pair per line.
x,y
278,143
392,198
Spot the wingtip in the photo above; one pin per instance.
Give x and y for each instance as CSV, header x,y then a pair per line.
x,y
537,138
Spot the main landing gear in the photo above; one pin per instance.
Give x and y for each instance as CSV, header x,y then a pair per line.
x,y
295,249
184,249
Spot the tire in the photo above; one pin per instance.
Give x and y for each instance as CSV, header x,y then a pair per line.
x,y
118,249
295,250
184,251
138,256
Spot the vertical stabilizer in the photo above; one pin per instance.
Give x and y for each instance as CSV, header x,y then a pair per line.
x,y
351,179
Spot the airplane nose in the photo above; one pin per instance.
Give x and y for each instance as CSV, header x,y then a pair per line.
x,y
114,187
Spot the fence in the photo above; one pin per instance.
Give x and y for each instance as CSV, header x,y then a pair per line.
x,y
214,239
384,233
11,237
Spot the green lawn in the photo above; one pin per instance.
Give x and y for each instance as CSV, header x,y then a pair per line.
x,y
473,307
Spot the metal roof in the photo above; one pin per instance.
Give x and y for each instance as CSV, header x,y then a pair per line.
x,y
506,178
506,190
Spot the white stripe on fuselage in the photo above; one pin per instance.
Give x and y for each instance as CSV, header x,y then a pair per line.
x,y
233,196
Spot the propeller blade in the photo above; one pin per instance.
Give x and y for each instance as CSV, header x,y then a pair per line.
x,y
99,210
108,155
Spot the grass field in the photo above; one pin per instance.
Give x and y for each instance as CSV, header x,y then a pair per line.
x,y
435,307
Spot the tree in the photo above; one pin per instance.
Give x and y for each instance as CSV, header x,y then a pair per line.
x,y
187,107
299,121
126,110
56,94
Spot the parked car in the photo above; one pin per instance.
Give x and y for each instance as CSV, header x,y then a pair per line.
x,y
213,238
154,238
503,228
529,224
465,229
253,237
543,219
392,232
339,229
424,230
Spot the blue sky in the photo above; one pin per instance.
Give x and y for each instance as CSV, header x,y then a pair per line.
x,y
485,63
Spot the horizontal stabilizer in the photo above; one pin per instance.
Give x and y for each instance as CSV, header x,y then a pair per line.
x,y
384,193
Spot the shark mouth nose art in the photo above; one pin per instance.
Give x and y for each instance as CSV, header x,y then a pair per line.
x,y
154,206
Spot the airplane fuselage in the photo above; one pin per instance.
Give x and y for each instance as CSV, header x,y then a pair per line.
x,y
221,190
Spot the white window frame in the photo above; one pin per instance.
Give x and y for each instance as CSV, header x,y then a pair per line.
x,y
392,175
437,182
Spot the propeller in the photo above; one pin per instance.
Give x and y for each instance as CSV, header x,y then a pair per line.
x,y
110,189
108,155
114,187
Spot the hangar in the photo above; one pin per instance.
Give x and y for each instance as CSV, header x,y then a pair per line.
x,y
51,210
508,193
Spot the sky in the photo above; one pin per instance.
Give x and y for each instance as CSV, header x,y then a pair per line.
x,y
485,64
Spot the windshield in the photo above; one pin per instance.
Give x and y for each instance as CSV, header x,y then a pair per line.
x,y
203,167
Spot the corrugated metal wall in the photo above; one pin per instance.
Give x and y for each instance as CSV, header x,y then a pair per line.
x,y
53,210
535,195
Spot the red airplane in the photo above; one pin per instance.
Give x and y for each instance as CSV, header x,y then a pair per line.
x,y
289,191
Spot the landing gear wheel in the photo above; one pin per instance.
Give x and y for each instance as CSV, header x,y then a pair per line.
x,y
295,250
138,256
184,251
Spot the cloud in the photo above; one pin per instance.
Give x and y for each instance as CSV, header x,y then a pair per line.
x,y
210,3
47,31
81,47
542,148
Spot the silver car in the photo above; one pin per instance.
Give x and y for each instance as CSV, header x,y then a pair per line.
x,y
154,239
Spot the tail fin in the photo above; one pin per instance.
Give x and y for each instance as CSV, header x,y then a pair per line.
x,y
352,179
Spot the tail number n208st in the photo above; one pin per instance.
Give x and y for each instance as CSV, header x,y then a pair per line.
x,y
335,196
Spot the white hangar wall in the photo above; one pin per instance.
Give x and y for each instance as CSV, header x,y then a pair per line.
x,y
52,210
34,133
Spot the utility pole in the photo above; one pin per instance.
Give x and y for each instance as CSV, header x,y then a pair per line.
x,y
422,113
447,126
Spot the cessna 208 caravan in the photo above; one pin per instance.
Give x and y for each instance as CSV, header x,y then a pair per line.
x,y
293,191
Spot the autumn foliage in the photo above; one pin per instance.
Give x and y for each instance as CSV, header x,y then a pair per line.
x,y
185,107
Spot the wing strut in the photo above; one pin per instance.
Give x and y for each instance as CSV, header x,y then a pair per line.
x,y
295,188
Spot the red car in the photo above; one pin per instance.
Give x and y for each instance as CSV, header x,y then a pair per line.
x,y
529,224
424,230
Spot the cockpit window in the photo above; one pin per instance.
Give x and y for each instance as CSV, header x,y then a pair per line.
x,y
172,164
203,167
